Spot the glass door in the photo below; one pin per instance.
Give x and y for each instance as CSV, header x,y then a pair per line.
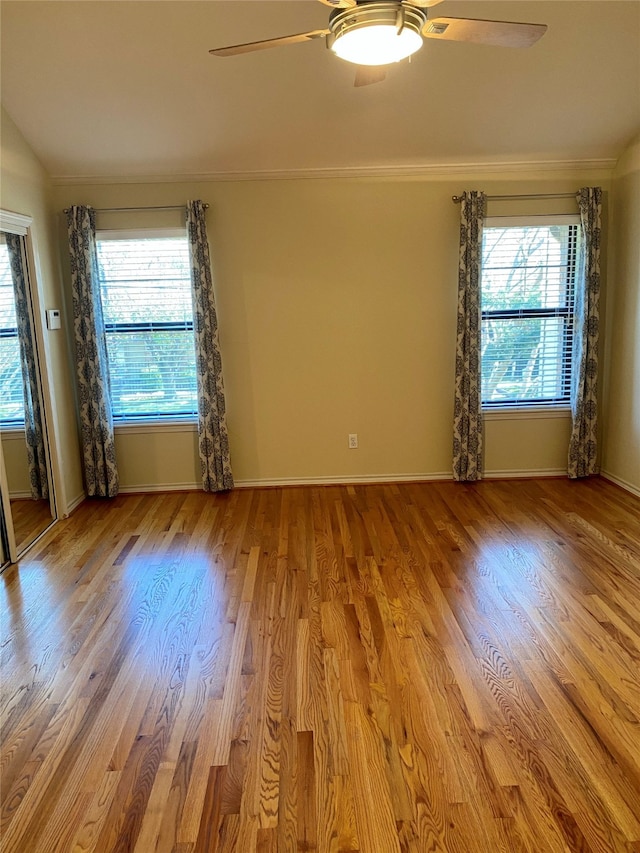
x,y
5,514
27,494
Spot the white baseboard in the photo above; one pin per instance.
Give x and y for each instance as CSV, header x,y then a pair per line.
x,y
70,507
75,503
346,480
628,487
524,473
397,478
160,487
270,482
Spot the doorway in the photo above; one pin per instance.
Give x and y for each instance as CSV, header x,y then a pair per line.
x,y
26,486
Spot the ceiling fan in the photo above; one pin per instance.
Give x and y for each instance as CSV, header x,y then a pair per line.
x,y
375,33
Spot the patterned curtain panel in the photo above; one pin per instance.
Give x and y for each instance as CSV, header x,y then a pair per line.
x,y
96,421
34,437
583,445
467,418
212,425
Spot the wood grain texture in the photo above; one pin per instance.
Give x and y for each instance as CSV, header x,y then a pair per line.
x,y
378,669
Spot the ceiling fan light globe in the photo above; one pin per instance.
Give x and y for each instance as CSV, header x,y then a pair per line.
x,y
377,44
376,33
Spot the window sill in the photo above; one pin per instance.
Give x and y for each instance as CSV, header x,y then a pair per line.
x,y
523,413
13,430
151,426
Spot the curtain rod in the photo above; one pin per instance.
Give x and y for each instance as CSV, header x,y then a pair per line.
x,y
123,209
456,199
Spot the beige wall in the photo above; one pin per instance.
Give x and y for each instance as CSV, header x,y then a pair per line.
x,y
337,301
621,452
25,188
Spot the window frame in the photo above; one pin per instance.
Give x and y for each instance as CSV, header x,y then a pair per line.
x,y
6,332
537,407
131,422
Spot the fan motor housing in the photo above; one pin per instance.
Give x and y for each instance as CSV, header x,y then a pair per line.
x,y
396,14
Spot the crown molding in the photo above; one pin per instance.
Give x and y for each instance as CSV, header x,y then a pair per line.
x,y
425,170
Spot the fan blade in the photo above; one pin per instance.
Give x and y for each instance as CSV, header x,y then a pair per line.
x,y
498,33
368,74
235,49
342,4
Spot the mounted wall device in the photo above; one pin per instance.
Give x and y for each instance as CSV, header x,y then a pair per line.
x,y
53,319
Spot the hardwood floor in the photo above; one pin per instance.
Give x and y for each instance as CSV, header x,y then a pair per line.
x,y
385,669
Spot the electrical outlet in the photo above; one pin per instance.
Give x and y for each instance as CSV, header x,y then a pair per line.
x,y
353,440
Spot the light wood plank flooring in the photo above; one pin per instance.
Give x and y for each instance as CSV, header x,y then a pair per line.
x,y
416,668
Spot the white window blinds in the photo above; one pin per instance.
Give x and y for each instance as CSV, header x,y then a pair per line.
x,y
527,302
11,391
146,300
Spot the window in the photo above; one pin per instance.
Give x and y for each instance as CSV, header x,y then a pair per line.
x,y
527,302
145,287
11,393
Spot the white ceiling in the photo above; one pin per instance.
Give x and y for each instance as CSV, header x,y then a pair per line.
x,y
122,89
